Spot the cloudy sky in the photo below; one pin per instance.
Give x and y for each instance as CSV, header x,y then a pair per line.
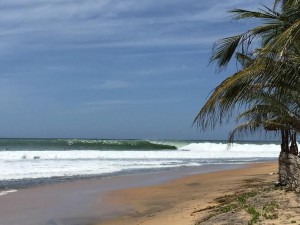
x,y
110,68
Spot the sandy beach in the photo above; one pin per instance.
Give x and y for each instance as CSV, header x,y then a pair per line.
x,y
179,197
82,201
191,200
150,112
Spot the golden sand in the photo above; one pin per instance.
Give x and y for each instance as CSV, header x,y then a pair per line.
x,y
196,200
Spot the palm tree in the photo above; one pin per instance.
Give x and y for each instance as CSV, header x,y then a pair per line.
x,y
261,68
270,113
265,91
271,63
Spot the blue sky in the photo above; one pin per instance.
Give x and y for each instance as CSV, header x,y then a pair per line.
x,y
110,69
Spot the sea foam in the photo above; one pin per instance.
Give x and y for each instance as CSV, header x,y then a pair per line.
x,y
31,164
7,192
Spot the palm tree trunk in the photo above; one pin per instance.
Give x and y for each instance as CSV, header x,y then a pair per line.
x,y
284,141
289,162
294,147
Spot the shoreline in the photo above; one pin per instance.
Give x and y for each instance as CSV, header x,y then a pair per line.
x,y
26,183
180,201
91,201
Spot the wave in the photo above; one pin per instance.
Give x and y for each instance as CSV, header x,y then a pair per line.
x,y
80,144
189,151
7,192
222,150
33,164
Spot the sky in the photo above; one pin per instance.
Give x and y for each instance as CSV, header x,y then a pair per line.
x,y
111,68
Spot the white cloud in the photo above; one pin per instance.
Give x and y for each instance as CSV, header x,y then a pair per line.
x,y
112,23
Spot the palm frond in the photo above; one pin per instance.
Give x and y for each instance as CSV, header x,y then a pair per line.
x,y
284,41
220,105
224,49
249,127
243,59
264,95
246,14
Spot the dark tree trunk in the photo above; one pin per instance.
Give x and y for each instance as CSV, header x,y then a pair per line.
x,y
285,141
289,162
289,173
294,147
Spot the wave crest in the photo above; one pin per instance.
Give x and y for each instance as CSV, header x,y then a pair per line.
x,y
81,144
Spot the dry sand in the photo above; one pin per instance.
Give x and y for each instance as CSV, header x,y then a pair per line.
x,y
201,199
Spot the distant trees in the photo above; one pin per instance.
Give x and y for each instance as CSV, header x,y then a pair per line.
x,y
265,92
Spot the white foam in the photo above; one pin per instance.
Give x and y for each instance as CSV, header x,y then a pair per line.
x,y
194,150
7,192
39,164
214,150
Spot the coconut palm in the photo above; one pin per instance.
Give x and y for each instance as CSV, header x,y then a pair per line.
x,y
264,109
271,64
270,113
265,92
278,33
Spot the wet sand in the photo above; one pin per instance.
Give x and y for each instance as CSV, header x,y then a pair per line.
x,y
87,201
180,202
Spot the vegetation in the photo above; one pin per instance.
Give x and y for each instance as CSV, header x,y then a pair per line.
x,y
259,199
264,94
228,208
242,199
254,215
270,210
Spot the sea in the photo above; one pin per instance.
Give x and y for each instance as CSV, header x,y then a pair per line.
x,y
34,161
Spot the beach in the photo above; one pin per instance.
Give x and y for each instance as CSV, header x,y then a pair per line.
x,y
183,201
110,114
168,197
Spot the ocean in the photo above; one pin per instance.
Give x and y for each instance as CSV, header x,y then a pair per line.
x,y
28,160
